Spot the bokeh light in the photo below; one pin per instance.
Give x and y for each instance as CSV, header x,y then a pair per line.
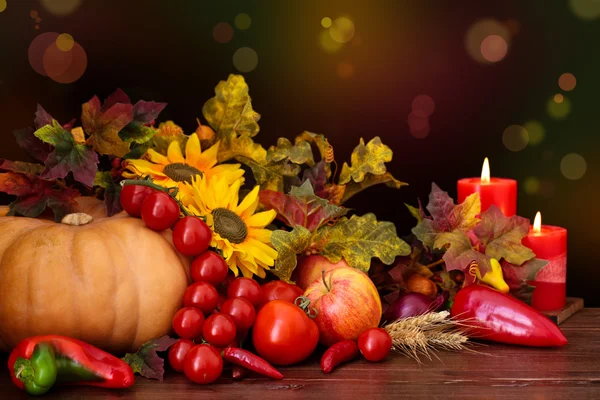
x,y
419,127
494,48
567,82
585,9
327,44
242,21
536,132
558,98
36,27
37,48
326,22
345,70
245,59
342,30
33,14
60,7
56,62
2,5
559,110
65,42
513,26
74,70
515,138
532,185
423,105
222,32
573,166
38,20
486,30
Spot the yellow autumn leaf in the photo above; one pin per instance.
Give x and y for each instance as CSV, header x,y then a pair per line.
x,y
288,245
168,132
366,159
78,135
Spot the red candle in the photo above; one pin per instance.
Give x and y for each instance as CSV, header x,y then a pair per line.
x,y
499,191
549,243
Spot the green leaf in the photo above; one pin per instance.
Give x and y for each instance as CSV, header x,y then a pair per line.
x,y
300,153
366,159
359,239
288,245
112,192
230,112
137,133
104,126
518,277
146,362
353,188
418,213
68,155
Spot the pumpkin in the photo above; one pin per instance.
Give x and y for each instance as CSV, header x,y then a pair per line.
x,y
110,282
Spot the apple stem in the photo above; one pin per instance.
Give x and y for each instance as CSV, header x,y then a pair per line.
x,y
324,281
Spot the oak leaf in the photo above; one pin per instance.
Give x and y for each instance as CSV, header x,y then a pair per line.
x,y
288,245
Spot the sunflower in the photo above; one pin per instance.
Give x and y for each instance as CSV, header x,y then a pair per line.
x,y
174,170
237,230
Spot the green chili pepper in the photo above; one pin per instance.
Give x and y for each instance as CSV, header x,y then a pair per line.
x,y
39,372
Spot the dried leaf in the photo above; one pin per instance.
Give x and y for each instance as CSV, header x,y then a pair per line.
x,y
31,144
518,277
359,239
230,112
300,153
288,245
104,124
21,167
112,192
353,188
68,156
146,362
366,159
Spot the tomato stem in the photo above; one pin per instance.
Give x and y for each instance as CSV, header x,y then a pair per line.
x,y
172,191
304,303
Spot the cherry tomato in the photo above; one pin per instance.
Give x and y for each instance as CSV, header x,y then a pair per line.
x,y
375,344
209,267
222,300
177,353
132,197
219,330
201,295
247,288
241,311
283,334
187,322
203,364
191,236
279,290
159,211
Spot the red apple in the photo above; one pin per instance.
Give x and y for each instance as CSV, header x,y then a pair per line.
x,y
347,304
310,268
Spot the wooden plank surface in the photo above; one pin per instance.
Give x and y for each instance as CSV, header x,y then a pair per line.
x,y
572,306
505,372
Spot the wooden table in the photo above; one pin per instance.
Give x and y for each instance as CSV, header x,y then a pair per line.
x,y
506,372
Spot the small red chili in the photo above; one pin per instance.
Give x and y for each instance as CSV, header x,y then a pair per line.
x,y
341,352
250,361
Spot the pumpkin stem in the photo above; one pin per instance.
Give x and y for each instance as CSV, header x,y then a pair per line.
x,y
77,219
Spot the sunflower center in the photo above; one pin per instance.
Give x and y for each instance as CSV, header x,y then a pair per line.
x,y
181,172
229,225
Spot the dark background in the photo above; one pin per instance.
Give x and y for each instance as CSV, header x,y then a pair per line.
x,y
165,51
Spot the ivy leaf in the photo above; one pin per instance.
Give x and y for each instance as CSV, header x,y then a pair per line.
x,y
31,144
300,153
366,159
146,362
353,188
359,239
446,216
230,112
104,124
518,277
288,245
112,192
301,207
68,156
168,132
21,167
501,236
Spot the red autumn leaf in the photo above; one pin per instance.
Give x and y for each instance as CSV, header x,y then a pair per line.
x,y
518,277
118,96
147,111
43,118
32,145
21,167
103,124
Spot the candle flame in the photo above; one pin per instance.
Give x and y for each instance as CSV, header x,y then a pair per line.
x,y
537,223
485,171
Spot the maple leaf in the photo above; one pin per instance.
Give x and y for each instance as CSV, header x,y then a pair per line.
x,y
144,112
230,112
112,192
359,239
460,252
31,144
301,207
446,216
21,167
418,213
300,153
43,118
118,96
288,245
68,155
146,362
366,159
518,277
104,123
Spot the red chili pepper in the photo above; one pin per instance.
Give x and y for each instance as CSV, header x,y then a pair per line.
x,y
67,361
250,361
239,373
341,352
499,317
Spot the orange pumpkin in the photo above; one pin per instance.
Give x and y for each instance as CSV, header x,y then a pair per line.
x,y
112,282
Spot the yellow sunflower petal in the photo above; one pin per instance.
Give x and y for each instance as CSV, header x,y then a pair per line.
x,y
248,206
208,158
261,219
192,150
156,157
261,251
263,235
174,153
234,195
230,172
143,167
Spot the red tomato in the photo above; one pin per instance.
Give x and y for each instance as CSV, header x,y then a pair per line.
x,y
219,330
279,290
247,288
241,311
187,322
132,197
209,267
159,211
177,353
283,334
203,364
375,344
201,295
191,236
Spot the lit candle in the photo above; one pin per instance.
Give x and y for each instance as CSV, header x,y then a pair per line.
x,y
499,191
549,243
